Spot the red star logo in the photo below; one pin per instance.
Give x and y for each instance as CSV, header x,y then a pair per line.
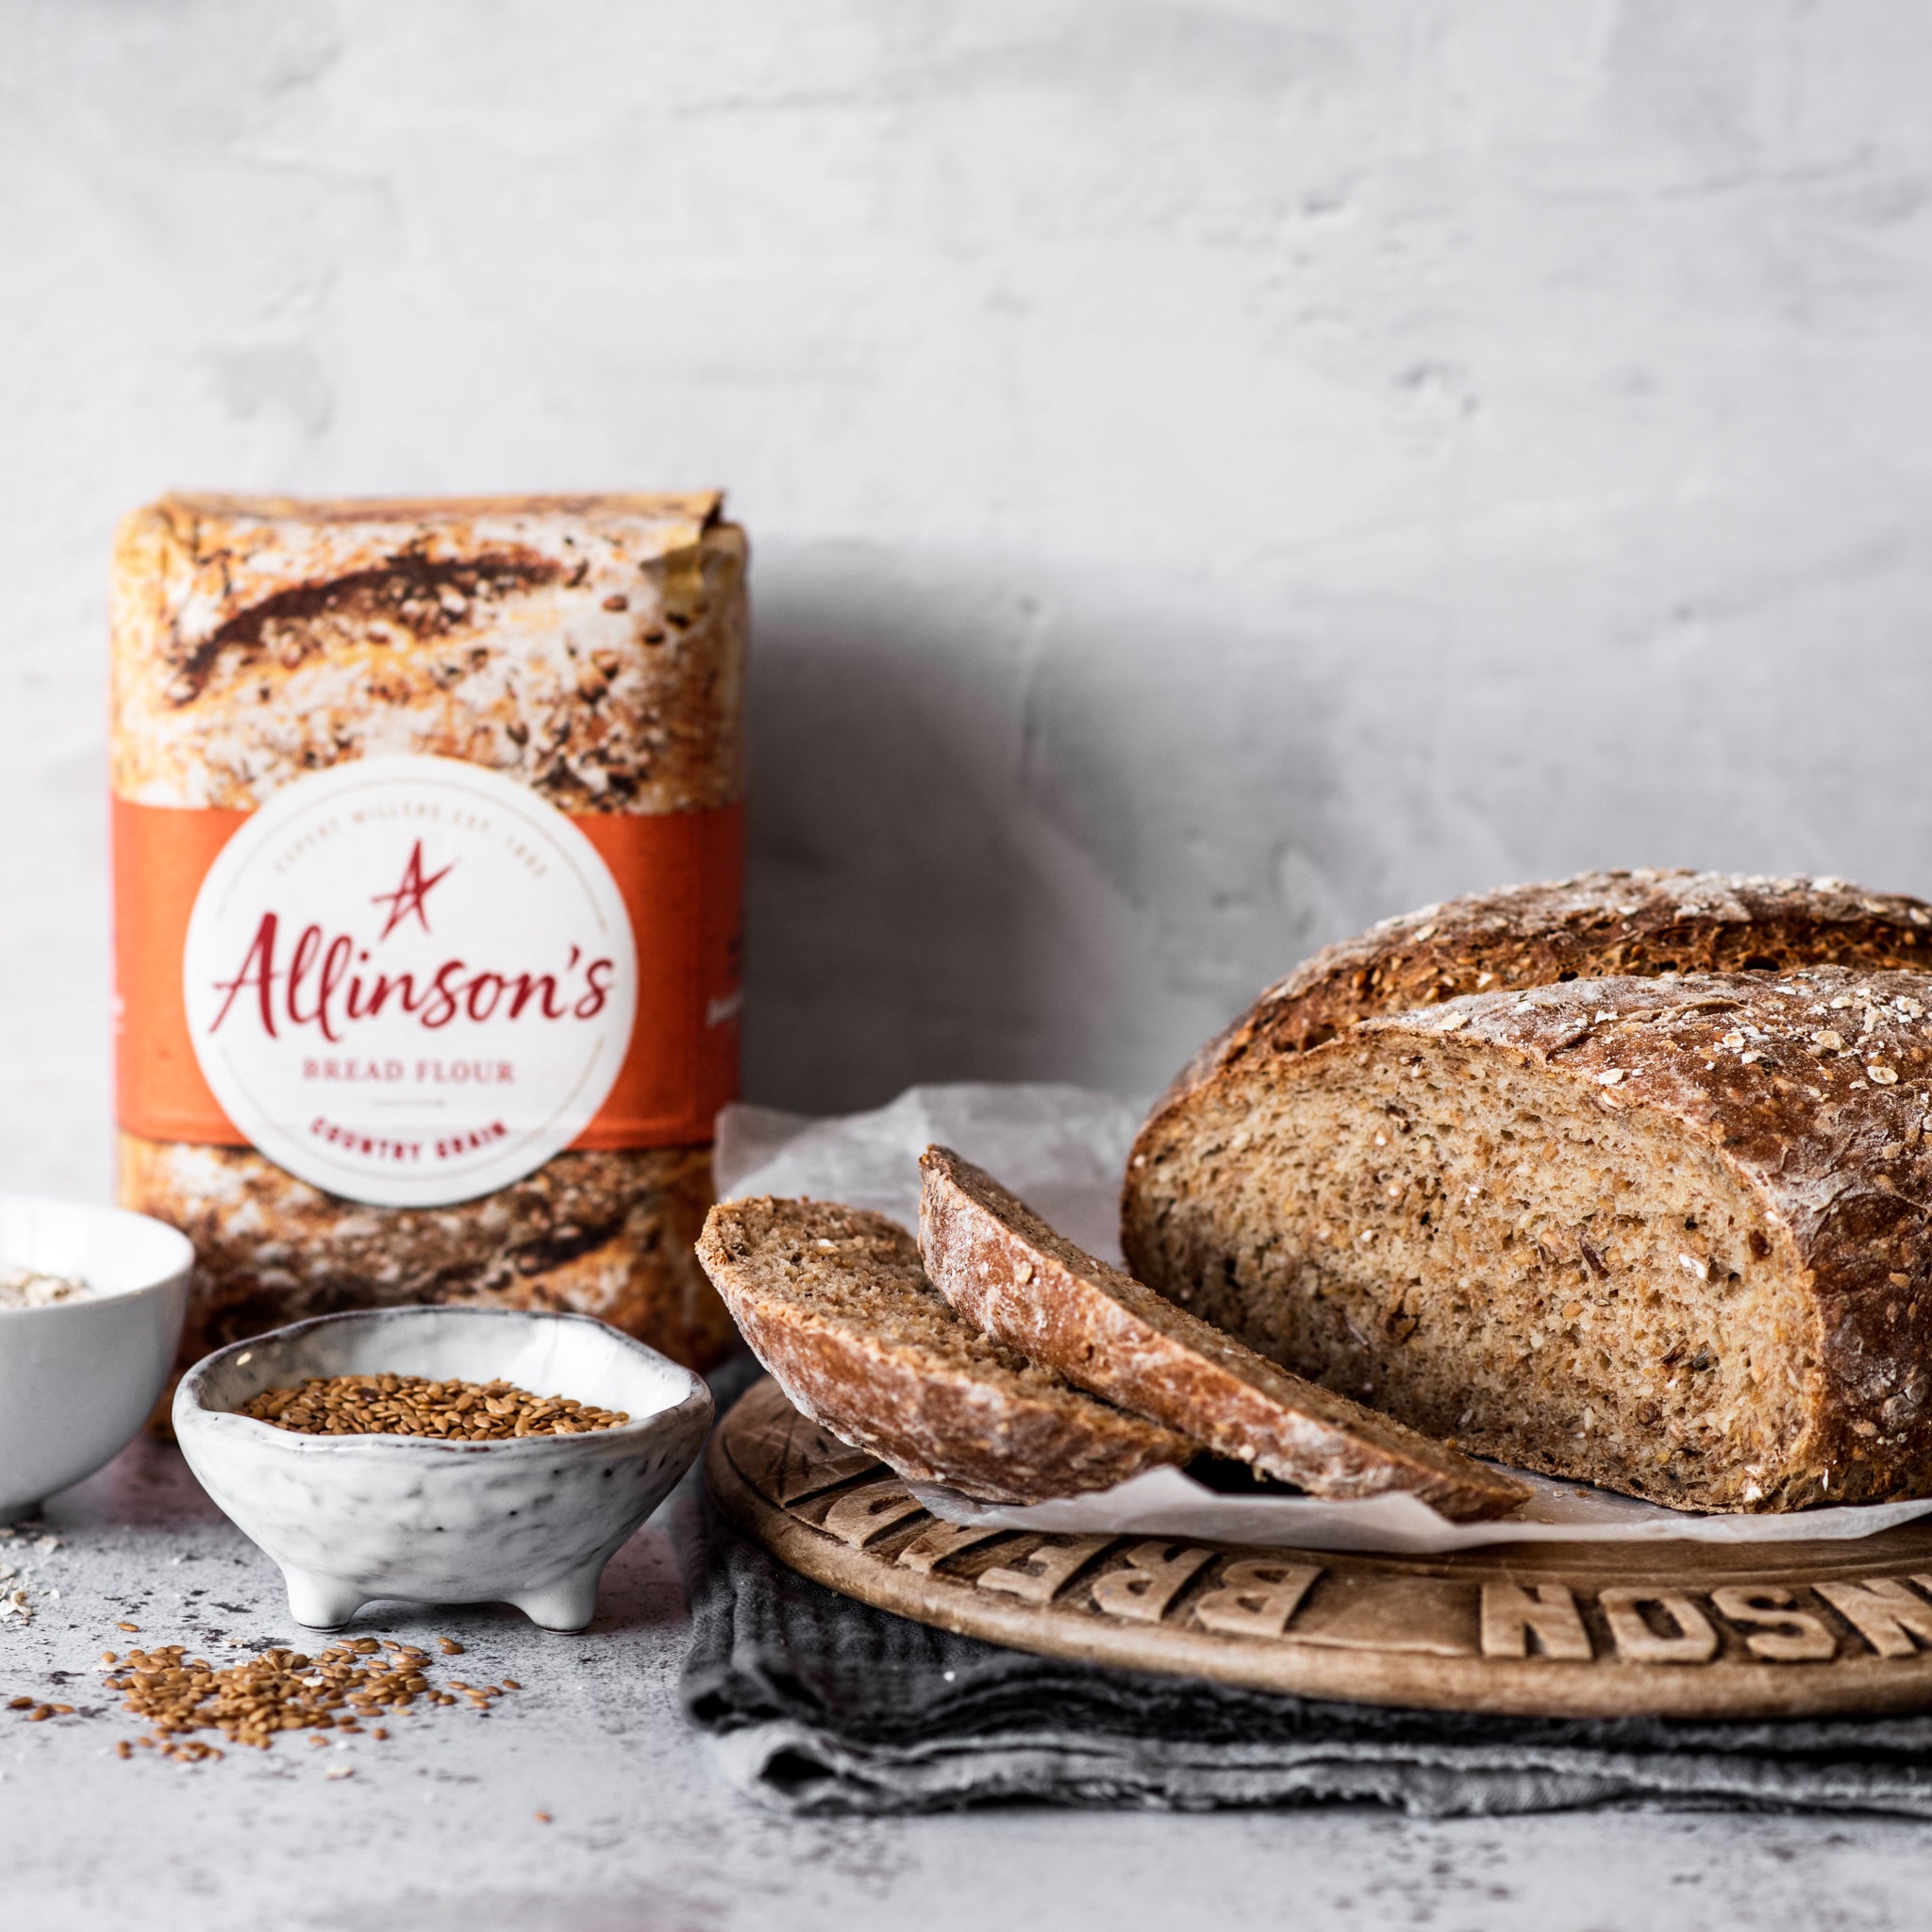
x,y
408,896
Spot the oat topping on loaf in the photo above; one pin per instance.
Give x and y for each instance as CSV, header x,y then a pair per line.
x,y
1592,926
1666,1234
836,1305
1010,1273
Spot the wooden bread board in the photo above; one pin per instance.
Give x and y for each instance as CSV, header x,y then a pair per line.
x,y
1692,1630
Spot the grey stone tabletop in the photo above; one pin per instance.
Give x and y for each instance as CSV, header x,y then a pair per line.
x,y
582,1800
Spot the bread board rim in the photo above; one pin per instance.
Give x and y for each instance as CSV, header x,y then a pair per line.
x,y
753,1438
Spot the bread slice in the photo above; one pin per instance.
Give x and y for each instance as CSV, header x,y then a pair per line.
x,y
1672,1235
835,1304
1012,1274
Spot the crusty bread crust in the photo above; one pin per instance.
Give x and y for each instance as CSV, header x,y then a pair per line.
x,y
906,1379
1010,1273
1592,927
591,648
1807,1094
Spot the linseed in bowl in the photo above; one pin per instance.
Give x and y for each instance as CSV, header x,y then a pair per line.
x,y
414,1405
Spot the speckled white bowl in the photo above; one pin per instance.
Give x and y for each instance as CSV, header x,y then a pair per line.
x,y
530,1521
78,1379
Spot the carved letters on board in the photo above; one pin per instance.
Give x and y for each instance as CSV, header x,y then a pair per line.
x,y
1263,1596
1523,1619
1553,1611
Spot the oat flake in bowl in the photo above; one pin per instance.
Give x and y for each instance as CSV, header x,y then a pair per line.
x,y
30,1288
91,1301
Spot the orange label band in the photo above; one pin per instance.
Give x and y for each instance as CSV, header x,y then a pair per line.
x,y
680,875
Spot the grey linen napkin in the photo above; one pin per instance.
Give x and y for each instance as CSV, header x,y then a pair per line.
x,y
819,1706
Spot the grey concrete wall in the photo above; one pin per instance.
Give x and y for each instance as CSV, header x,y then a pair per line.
x,y
1219,473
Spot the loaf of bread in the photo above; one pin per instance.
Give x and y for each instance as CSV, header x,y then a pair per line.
x,y
835,1304
1013,1276
1666,1234
588,648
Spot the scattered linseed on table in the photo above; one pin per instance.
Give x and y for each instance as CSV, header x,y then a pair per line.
x,y
413,1406
336,1689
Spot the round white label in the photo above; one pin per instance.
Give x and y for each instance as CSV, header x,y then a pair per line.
x,y
408,980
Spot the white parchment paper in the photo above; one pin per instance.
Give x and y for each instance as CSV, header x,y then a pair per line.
x,y
1063,1149
1169,1503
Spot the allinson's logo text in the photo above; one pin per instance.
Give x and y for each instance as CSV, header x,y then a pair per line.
x,y
330,982
433,946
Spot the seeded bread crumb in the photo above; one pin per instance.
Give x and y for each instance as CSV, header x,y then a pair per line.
x,y
1007,1271
1669,1235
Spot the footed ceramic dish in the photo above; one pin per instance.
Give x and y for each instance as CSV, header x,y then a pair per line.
x,y
530,1520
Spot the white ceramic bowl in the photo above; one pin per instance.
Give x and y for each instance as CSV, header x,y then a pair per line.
x,y
530,1521
78,1378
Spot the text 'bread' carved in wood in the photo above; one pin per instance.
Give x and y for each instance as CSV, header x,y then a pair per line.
x,y
809,1461
1533,1620
938,1541
866,1514
1154,1574
1688,1634
1043,1572
1883,1611
1774,1631
1254,1597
